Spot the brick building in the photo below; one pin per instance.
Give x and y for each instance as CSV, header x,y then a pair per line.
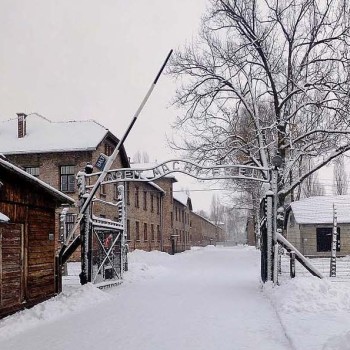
x,y
182,208
55,152
205,232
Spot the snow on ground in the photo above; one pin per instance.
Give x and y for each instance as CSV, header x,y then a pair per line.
x,y
207,298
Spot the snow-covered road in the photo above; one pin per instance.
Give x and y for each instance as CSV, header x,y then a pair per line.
x,y
208,298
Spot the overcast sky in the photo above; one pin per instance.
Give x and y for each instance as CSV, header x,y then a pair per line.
x,y
84,59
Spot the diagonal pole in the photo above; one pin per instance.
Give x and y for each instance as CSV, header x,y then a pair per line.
x,y
112,158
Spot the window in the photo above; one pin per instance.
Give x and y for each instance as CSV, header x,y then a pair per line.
x,y
108,149
137,231
67,178
152,233
145,233
69,223
144,200
176,213
324,239
32,171
158,233
152,202
137,204
128,230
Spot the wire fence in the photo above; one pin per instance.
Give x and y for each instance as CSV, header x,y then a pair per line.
x,y
322,264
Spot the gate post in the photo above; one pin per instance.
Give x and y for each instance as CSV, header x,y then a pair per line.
x,y
85,275
274,249
269,229
278,214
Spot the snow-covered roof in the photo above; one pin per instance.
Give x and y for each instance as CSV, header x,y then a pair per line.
x,y
3,218
319,209
181,197
207,220
57,194
44,135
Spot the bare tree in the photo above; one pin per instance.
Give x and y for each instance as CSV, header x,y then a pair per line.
x,y
340,177
311,185
267,77
203,214
216,210
141,157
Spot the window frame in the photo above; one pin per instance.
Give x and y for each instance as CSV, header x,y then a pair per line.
x,y
29,170
324,239
70,178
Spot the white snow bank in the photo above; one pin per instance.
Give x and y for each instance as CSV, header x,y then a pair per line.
x,y
309,294
145,265
72,300
339,342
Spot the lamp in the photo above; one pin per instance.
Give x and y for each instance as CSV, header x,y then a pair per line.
x,y
277,161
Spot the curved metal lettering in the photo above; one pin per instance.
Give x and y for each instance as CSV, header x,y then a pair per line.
x,y
197,171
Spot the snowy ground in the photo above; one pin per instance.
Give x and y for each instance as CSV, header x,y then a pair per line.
x,y
208,298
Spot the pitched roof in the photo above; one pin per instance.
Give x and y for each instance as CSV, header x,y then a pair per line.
x,y
44,135
59,196
181,197
319,209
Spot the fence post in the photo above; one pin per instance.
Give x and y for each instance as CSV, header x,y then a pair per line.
x,y
333,264
292,263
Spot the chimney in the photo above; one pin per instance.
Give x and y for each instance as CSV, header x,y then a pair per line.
x,y
22,127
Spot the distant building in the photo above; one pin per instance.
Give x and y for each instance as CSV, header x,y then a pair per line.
x,y
204,232
182,208
309,225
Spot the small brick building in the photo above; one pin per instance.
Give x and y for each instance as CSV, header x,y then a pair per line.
x,y
27,240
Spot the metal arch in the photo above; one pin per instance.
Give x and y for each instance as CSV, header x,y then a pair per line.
x,y
197,171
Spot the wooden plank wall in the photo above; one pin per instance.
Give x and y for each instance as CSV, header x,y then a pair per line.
x,y
11,265
32,278
41,254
